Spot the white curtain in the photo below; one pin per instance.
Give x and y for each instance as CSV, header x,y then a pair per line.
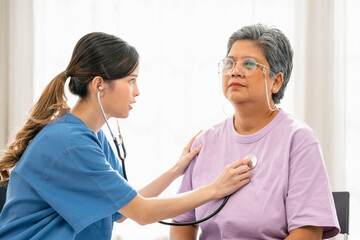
x,y
16,66
352,112
320,83
320,79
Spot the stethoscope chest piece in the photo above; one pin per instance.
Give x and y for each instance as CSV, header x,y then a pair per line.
x,y
253,161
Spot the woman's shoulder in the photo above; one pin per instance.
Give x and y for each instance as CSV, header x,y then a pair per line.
x,y
296,125
215,131
68,131
58,139
300,132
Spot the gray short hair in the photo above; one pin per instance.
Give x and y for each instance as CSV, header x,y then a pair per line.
x,y
276,48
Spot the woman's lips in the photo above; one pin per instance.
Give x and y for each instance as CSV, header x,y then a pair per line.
x,y
236,85
133,102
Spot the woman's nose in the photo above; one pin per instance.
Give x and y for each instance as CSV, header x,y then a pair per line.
x,y
236,72
136,91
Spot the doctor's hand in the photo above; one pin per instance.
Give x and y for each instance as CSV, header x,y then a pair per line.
x,y
186,156
233,177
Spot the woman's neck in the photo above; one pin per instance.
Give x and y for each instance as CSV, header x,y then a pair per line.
x,y
88,112
249,121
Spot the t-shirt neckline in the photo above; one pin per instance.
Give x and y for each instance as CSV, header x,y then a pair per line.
x,y
255,136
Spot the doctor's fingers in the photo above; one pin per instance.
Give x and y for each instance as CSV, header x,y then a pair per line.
x,y
190,155
240,163
238,173
242,179
243,174
195,151
243,182
242,169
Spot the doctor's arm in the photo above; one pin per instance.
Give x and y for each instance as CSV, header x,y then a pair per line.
x,y
149,210
156,187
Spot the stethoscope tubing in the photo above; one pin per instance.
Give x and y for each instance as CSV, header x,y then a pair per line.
x,y
125,176
198,221
121,158
115,140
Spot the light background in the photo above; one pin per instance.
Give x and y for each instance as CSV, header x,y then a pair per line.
x,y
180,44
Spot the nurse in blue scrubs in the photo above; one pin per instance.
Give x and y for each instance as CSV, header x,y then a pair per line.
x,y
63,179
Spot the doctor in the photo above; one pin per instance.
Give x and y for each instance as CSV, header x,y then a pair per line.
x,y
64,181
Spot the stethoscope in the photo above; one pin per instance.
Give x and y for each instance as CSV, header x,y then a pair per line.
x,y
252,165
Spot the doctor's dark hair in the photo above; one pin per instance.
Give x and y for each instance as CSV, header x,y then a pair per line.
x,y
95,54
276,48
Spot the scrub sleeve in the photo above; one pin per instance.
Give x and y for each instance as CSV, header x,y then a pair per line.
x,y
86,189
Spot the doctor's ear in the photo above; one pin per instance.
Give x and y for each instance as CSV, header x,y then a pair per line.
x,y
97,84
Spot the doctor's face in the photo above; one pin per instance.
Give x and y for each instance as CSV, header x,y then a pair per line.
x,y
121,95
244,83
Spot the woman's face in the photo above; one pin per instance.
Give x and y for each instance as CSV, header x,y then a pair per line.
x,y
247,90
120,94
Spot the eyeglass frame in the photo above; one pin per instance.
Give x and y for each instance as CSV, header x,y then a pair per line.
x,y
256,63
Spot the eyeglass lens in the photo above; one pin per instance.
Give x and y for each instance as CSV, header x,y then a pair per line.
x,y
246,66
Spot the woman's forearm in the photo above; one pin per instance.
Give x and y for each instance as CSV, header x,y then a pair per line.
x,y
161,183
156,187
150,210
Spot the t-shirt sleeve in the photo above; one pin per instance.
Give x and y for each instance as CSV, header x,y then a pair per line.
x,y
186,185
86,189
309,200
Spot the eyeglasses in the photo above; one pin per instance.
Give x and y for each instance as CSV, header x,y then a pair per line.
x,y
247,66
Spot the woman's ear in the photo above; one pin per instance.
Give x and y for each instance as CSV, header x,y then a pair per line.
x,y
97,84
278,81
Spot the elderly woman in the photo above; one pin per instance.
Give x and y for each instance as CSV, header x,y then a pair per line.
x,y
288,196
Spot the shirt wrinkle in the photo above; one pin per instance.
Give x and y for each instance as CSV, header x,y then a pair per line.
x,y
269,204
293,154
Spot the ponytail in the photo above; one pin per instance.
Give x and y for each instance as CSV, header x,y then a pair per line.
x,y
91,53
50,106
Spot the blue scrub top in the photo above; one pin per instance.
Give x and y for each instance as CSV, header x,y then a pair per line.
x,y
67,185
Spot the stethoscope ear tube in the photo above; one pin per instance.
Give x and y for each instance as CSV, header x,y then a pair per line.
x,y
113,137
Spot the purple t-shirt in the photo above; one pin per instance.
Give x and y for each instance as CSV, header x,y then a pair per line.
x,y
288,188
